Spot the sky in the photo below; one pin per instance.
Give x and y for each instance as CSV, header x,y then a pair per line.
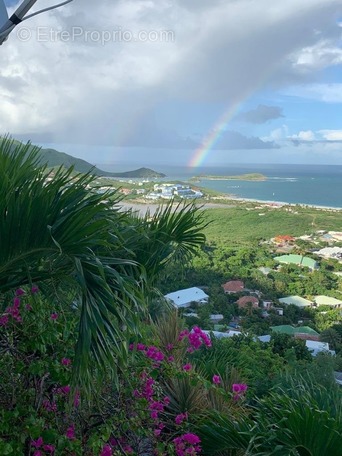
x,y
178,82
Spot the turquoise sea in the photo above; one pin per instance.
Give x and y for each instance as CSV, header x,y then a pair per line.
x,y
319,185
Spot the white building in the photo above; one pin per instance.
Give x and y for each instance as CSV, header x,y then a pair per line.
x,y
216,318
221,335
316,347
330,252
322,300
184,298
296,300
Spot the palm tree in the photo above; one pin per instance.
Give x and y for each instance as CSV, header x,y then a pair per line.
x,y
55,230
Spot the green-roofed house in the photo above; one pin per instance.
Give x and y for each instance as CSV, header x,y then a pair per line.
x,y
322,300
292,331
296,301
299,260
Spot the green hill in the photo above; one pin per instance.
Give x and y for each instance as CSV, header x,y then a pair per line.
x,y
54,158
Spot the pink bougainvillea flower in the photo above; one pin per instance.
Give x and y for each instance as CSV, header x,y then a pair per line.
x,y
64,390
37,443
49,448
37,453
106,450
216,379
193,439
54,316
180,418
34,289
239,387
187,444
4,320
66,361
187,367
70,432
19,292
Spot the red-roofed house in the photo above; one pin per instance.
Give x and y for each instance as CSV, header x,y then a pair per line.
x,y
233,286
284,239
244,300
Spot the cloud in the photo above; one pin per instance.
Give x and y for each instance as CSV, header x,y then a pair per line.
x,y
331,135
310,138
321,55
260,115
233,140
87,74
307,135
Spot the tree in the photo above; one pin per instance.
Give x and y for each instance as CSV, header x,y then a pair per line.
x,y
57,233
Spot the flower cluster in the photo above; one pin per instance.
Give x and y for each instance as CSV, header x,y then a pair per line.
x,y
150,352
180,418
40,448
195,338
107,449
14,310
239,389
187,444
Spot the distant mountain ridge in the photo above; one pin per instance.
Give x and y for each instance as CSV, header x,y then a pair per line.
x,y
53,158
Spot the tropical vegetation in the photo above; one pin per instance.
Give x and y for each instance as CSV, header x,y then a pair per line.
x,y
94,362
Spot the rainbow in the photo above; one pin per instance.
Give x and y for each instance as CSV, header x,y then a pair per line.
x,y
213,136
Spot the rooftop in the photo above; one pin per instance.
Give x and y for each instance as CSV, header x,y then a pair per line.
x,y
296,300
291,330
322,300
233,286
182,298
297,259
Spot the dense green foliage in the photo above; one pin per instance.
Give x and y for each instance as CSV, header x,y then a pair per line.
x,y
235,226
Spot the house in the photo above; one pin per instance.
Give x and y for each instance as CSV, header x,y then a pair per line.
x,y
299,260
330,252
221,335
245,300
265,270
322,300
338,377
301,332
233,286
296,300
215,318
284,239
316,347
184,298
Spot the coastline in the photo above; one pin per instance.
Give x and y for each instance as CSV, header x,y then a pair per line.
x,y
144,207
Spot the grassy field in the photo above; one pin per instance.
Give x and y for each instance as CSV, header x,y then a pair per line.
x,y
238,226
